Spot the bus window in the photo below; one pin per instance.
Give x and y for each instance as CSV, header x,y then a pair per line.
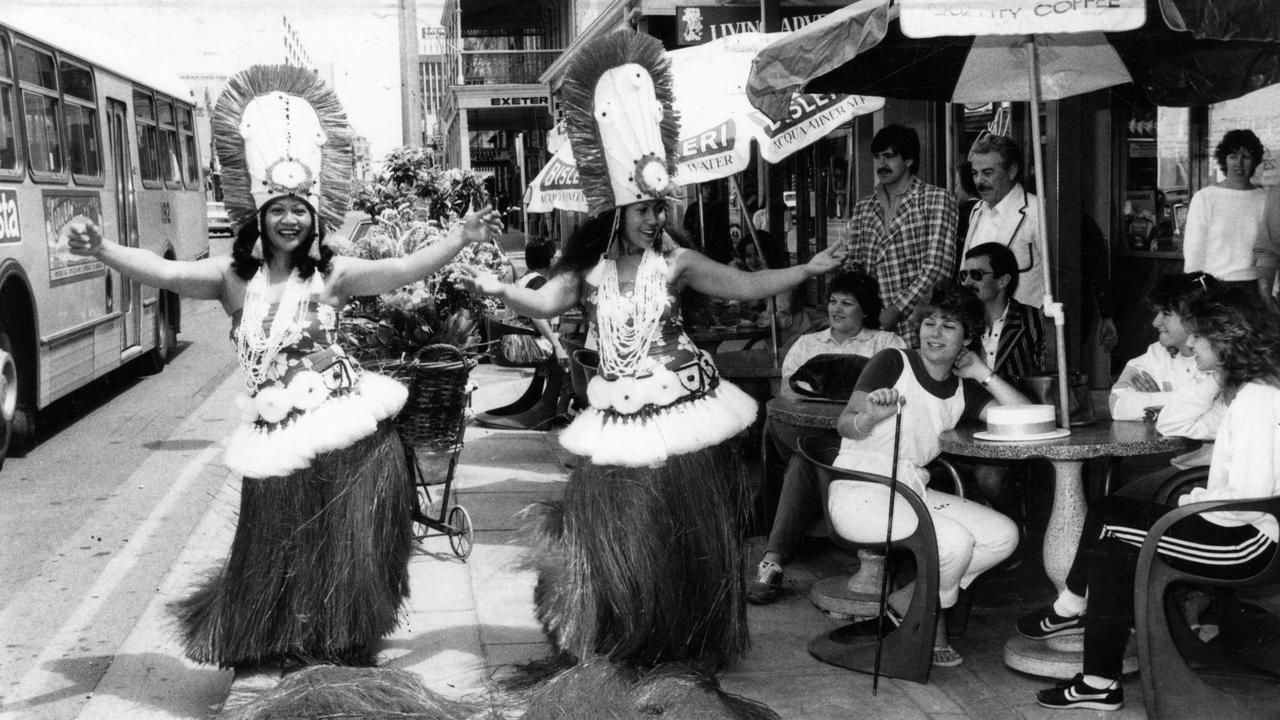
x,y
191,166
84,153
170,167
8,123
144,115
39,85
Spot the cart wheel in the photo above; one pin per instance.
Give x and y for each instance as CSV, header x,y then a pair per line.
x,y
460,533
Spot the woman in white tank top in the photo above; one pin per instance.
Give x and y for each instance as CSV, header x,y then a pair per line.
x,y
940,383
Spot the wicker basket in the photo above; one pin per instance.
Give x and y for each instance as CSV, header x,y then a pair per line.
x,y
438,395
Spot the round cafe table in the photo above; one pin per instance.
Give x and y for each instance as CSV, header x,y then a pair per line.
x,y
1060,657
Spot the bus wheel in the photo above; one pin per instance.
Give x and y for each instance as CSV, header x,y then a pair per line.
x,y
8,401
166,336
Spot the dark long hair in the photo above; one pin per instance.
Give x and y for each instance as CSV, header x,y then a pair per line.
x,y
590,241
1243,333
245,264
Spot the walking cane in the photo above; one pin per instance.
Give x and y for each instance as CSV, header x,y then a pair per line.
x,y
888,539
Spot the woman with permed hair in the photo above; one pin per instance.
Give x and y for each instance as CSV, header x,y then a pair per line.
x,y
1234,336
1225,220
941,383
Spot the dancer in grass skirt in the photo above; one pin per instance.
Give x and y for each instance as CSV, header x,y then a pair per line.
x,y
640,565
318,568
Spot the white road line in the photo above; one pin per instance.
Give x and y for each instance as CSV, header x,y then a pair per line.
x,y
65,642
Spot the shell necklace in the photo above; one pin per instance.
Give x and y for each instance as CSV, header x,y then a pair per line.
x,y
627,323
258,349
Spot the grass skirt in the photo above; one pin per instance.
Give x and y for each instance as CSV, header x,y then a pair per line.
x,y
319,565
644,565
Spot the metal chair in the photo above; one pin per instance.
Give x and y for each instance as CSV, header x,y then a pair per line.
x,y
539,404
907,650
1172,661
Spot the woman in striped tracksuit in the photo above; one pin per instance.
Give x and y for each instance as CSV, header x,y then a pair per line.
x,y
1231,334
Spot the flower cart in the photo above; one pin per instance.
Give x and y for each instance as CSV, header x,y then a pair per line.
x,y
423,334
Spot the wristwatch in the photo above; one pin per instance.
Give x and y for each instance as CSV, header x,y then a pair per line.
x,y
987,380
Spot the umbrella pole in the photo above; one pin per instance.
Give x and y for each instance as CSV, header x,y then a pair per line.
x,y
755,240
1052,309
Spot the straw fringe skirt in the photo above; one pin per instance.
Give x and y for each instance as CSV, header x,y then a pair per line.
x,y
644,565
319,565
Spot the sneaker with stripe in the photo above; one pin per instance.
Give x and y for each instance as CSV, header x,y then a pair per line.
x,y
1076,694
1045,623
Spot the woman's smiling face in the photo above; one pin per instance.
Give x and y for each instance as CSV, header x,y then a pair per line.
x,y
288,223
644,222
942,338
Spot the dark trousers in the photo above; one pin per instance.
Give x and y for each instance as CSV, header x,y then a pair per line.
x,y
1107,557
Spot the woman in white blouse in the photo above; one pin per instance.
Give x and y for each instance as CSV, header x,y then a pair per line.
x,y
1225,220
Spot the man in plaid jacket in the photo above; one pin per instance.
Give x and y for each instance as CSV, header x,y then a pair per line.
x,y
903,233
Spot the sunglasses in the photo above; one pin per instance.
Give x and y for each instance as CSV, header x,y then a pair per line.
x,y
977,275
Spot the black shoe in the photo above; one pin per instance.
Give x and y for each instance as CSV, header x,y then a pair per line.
x,y
1045,623
1074,693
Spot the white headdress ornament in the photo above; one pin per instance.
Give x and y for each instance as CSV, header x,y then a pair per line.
x,y
280,131
620,121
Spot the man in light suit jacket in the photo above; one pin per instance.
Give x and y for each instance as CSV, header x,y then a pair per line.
x,y
1008,214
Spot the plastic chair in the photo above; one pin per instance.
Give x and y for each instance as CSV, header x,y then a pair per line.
x,y
907,650
539,404
1172,661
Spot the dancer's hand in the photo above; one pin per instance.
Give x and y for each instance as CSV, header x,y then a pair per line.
x,y
477,226
480,281
828,260
82,238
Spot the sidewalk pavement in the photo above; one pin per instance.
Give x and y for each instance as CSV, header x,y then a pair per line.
x,y
466,621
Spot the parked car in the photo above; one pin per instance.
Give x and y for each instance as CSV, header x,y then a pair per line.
x,y
355,224
219,221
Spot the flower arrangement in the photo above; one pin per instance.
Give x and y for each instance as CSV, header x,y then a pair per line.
x,y
414,205
436,309
407,179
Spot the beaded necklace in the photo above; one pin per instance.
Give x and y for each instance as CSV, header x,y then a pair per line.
x,y
627,323
257,349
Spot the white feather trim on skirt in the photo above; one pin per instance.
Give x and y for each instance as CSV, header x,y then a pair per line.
x,y
649,437
260,450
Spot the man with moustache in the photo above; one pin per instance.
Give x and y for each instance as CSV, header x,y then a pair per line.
x,y
903,233
1008,214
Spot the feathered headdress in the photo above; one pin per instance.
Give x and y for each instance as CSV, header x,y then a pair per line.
x,y
280,131
620,122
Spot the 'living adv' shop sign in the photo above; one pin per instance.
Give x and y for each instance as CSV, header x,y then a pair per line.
x,y
697,24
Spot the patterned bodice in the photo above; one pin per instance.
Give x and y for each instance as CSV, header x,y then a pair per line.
x,y
311,347
671,347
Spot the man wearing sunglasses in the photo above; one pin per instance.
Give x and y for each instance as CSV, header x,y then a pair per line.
x,y
1008,214
1013,346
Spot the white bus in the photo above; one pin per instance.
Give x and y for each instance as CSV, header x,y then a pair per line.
x,y
84,136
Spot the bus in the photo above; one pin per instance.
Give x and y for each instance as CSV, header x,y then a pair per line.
x,y
86,133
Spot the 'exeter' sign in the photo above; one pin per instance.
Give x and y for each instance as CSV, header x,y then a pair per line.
x,y
931,18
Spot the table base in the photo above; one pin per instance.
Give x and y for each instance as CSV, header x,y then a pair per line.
x,y
852,596
1056,658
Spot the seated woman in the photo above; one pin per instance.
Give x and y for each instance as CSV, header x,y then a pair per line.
x,y
854,313
1233,335
538,254
1166,382
938,385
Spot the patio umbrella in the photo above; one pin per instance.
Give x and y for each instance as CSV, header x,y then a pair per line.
x,y
995,50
